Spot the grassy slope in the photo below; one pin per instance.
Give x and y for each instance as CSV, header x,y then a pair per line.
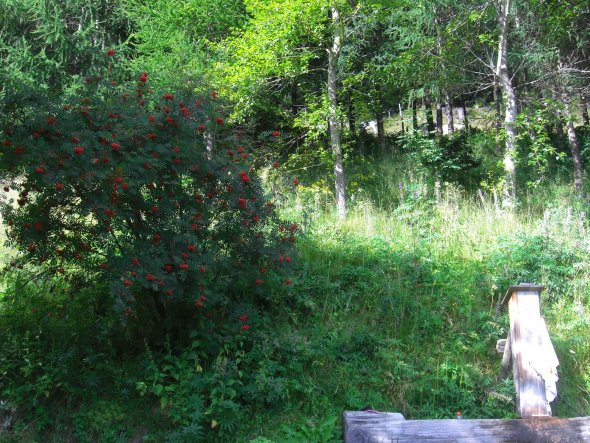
x,y
393,309
404,308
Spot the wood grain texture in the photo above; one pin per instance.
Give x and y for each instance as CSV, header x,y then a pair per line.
x,y
527,347
506,359
368,427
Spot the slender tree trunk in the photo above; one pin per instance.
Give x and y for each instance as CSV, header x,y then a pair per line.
x,y
509,192
439,117
414,115
465,116
571,131
381,130
334,122
401,116
575,147
497,114
428,113
380,115
460,114
584,110
450,120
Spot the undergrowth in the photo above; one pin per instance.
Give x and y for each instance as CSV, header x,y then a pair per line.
x,y
396,309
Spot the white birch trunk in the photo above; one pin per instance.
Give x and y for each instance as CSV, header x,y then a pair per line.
x,y
333,54
510,106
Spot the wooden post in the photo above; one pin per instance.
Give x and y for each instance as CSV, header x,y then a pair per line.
x,y
528,349
506,358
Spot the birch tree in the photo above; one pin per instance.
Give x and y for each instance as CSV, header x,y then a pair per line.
x,y
509,94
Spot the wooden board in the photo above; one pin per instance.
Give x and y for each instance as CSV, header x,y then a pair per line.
x,y
527,348
370,427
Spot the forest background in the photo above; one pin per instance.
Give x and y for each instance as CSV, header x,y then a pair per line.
x,y
364,180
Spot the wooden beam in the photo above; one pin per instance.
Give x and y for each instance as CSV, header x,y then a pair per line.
x,y
526,342
506,359
370,427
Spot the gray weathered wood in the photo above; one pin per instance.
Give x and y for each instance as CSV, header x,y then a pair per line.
x,y
527,349
368,427
506,359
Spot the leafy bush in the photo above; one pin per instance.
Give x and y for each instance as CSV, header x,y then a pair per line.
x,y
156,196
449,159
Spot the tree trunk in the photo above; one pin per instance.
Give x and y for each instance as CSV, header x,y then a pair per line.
x,y
460,113
450,121
381,130
439,117
414,115
465,117
380,115
571,130
575,147
401,116
428,114
334,122
509,192
497,114
584,110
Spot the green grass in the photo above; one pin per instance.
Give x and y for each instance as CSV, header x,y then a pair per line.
x,y
396,308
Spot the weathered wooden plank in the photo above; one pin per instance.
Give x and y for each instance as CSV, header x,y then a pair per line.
x,y
367,427
527,348
506,359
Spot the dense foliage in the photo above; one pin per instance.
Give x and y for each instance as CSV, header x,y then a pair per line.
x,y
155,195
164,163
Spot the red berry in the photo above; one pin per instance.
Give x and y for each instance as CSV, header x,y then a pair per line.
x,y
127,282
150,277
78,150
111,52
143,77
219,121
183,266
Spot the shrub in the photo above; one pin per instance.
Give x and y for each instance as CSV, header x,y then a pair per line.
x,y
156,196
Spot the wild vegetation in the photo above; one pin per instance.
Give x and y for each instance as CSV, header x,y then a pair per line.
x,y
234,220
